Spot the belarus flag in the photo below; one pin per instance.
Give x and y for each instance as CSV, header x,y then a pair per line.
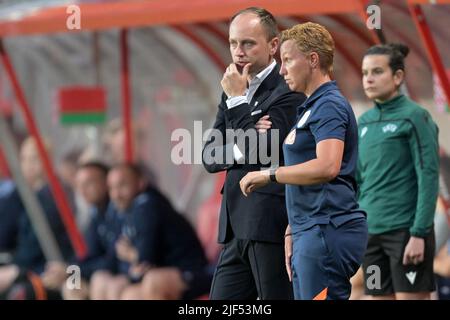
x,y
82,105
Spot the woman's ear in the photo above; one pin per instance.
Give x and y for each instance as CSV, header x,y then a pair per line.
x,y
314,60
399,76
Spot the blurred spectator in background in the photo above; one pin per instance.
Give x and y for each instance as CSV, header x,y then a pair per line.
x,y
114,141
67,168
10,211
184,277
153,236
28,255
90,182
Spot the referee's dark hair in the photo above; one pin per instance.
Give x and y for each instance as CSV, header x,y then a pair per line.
x,y
396,52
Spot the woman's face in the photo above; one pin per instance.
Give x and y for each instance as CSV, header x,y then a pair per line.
x,y
295,67
379,83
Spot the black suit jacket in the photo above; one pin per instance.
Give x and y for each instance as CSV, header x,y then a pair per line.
x,y
262,215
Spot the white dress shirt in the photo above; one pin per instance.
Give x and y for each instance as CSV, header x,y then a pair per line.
x,y
254,84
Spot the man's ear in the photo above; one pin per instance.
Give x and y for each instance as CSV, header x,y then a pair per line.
x,y
274,43
399,76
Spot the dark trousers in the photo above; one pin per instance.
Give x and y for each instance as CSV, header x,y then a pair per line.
x,y
248,270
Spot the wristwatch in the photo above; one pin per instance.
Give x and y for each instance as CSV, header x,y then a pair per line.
x,y
272,174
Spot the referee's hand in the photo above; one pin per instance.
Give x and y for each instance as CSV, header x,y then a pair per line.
x,y
414,251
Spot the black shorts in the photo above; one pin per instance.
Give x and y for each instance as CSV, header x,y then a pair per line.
x,y
384,272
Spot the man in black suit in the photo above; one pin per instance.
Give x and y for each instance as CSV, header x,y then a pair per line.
x,y
251,263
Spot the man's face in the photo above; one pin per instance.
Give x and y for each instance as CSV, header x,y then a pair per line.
x,y
91,184
31,163
249,43
123,187
67,172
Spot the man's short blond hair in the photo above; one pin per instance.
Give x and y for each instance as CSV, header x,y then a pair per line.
x,y
313,37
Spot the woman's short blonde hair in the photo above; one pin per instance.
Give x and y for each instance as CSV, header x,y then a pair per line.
x,y
313,37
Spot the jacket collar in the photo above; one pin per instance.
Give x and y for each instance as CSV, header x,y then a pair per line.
x,y
320,91
267,86
391,103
